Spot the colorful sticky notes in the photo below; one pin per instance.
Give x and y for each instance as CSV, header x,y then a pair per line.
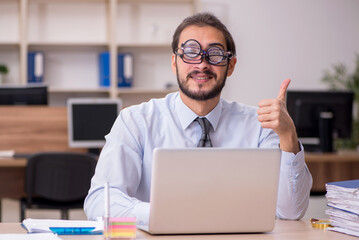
x,y
124,227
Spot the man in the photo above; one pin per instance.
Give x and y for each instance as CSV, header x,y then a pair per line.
x,y
203,57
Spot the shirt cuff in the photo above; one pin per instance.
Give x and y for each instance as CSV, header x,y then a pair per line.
x,y
292,161
142,213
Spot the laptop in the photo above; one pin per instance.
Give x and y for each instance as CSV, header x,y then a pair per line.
x,y
213,190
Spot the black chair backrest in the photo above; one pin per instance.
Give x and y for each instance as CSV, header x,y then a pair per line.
x,y
59,176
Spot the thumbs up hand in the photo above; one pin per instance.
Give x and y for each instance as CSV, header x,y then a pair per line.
x,y
273,114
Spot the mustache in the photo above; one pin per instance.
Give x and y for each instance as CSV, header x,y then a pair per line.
x,y
207,72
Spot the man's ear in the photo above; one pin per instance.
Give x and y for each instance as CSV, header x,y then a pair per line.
x,y
231,65
173,64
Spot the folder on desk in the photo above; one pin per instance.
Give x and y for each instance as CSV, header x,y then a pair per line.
x,y
63,227
344,195
343,200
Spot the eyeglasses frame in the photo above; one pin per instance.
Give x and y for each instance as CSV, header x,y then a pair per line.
x,y
204,54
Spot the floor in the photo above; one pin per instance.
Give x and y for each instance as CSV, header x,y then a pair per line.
x,y
11,211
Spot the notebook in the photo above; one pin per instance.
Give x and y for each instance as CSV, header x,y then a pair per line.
x,y
213,190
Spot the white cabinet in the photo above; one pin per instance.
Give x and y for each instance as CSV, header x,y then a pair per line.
x,y
72,33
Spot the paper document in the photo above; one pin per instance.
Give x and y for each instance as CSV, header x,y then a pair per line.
x,y
65,227
344,230
37,236
343,202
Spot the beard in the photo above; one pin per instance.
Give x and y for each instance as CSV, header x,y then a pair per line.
x,y
202,95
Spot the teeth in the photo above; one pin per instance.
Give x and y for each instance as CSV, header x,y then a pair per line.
x,y
201,78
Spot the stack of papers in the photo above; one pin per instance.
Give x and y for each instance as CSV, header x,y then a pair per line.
x,y
63,227
343,200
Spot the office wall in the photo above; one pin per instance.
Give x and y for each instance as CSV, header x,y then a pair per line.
x,y
280,39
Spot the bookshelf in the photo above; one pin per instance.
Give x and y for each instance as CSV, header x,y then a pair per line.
x,y
72,33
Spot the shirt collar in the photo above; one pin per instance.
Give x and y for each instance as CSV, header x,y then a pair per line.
x,y
186,115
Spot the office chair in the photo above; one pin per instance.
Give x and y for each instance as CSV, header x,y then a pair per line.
x,y
57,180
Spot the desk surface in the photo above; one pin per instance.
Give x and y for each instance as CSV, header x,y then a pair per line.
x,y
342,156
332,167
283,230
13,162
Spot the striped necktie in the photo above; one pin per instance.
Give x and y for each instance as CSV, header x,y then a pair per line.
x,y
205,140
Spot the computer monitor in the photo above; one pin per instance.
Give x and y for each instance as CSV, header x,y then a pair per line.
x,y
23,95
90,119
322,115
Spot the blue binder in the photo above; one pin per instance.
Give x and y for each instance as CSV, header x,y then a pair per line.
x,y
125,70
35,67
104,69
353,184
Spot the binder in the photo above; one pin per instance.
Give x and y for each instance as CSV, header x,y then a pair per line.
x,y
35,67
125,70
343,195
348,185
343,203
104,69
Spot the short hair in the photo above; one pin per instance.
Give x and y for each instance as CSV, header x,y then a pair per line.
x,y
202,20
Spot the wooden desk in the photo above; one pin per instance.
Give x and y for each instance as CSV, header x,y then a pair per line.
x,y
12,178
30,129
284,230
27,130
331,167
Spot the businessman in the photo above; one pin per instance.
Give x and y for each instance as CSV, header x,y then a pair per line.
x,y
204,55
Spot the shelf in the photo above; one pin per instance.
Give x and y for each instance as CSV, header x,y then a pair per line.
x,y
139,91
68,44
90,44
144,45
78,90
72,34
9,43
157,1
9,46
120,91
62,22
68,1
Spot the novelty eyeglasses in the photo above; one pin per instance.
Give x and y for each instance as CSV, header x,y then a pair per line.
x,y
193,54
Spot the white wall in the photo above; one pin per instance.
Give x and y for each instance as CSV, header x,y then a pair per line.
x,y
280,39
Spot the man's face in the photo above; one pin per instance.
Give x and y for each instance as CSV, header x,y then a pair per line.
x,y
201,81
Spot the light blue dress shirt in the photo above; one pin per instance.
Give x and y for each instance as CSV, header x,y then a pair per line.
x,y
126,159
